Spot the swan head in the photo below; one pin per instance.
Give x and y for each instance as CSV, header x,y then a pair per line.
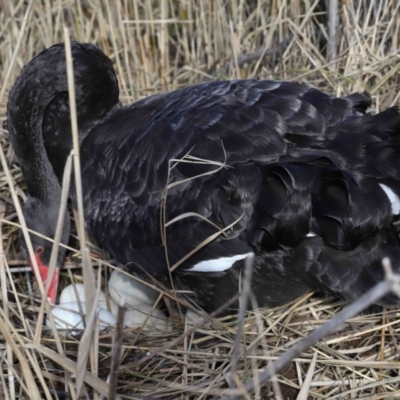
x,y
42,218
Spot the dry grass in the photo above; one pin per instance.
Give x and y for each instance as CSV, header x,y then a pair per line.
x,y
161,45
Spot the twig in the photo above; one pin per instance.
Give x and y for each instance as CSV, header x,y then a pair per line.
x,y
172,343
333,34
116,353
248,272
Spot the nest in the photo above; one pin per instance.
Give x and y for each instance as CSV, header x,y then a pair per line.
x,y
158,46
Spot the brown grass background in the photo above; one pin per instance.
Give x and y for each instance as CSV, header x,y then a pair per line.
x,y
162,45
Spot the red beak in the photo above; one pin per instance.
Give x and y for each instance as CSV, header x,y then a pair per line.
x,y
44,272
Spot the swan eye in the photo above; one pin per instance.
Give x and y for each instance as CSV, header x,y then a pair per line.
x,y
39,250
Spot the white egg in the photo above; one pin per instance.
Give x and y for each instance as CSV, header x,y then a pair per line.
x,y
134,294
139,300
76,292
137,297
193,317
67,316
157,321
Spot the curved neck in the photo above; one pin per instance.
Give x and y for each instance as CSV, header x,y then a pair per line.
x,y
38,111
24,125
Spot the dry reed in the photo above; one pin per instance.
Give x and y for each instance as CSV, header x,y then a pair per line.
x,y
162,45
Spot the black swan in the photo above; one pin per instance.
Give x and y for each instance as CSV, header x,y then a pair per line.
x,y
305,182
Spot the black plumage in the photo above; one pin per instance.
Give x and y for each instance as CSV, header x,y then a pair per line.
x,y
295,173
